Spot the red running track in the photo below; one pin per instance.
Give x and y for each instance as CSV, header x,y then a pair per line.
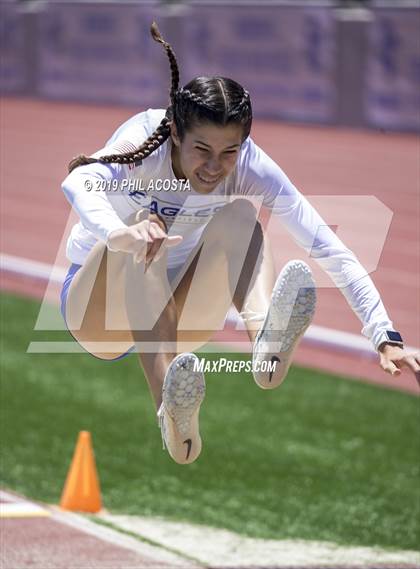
x,y
62,541
38,139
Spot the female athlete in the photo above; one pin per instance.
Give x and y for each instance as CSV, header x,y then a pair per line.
x,y
158,270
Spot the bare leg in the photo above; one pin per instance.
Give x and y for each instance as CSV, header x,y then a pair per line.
x,y
153,319
135,294
87,300
225,268
256,282
99,301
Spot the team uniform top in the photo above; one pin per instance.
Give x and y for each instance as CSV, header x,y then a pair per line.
x,y
106,195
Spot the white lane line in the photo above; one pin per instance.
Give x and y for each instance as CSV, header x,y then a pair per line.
x,y
318,336
227,549
32,269
22,510
13,507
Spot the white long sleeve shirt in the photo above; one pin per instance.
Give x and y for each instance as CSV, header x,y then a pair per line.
x,y
106,195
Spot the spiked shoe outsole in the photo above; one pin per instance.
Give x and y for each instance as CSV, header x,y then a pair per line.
x,y
291,310
183,392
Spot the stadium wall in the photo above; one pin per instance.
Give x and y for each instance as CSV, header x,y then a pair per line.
x,y
307,62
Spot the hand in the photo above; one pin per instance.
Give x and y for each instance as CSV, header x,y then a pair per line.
x,y
393,358
144,240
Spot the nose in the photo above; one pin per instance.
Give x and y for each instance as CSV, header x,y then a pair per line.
x,y
213,167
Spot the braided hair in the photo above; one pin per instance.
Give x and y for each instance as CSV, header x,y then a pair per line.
x,y
216,100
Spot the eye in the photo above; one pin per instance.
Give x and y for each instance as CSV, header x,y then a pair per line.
x,y
201,149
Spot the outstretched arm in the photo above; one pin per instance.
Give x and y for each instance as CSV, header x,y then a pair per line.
x,y
261,176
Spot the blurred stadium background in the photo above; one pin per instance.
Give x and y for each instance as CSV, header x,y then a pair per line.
x,y
351,63
335,92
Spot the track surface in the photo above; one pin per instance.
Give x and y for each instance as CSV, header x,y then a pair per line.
x,y
39,137
56,542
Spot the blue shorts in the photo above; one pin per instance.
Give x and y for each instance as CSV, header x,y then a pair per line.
x,y
65,291
65,288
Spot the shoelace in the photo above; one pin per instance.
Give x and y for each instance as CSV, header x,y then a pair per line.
x,y
160,416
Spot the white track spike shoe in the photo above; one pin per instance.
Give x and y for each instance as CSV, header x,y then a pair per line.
x,y
182,394
291,310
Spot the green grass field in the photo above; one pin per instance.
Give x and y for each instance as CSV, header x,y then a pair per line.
x,y
319,458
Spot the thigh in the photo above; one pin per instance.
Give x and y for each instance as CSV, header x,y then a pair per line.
x,y
232,255
95,309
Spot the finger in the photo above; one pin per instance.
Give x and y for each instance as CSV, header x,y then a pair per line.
x,y
168,241
142,234
153,230
159,231
139,256
140,251
152,250
149,234
412,363
157,236
391,368
173,240
161,251
144,227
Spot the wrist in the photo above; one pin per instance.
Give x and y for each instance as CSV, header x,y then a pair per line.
x,y
383,347
389,337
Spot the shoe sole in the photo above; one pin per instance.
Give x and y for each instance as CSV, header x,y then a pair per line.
x,y
183,392
295,287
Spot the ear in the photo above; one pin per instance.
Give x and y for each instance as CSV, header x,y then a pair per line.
x,y
174,135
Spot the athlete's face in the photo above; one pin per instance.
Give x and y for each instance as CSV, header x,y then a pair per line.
x,y
207,154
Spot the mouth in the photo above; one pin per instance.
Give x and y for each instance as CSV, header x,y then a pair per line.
x,y
209,180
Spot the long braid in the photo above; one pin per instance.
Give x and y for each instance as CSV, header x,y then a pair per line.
x,y
156,35
158,137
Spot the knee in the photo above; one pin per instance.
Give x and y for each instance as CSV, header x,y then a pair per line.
x,y
234,222
239,211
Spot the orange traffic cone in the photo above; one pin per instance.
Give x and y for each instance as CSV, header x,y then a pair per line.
x,y
81,490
